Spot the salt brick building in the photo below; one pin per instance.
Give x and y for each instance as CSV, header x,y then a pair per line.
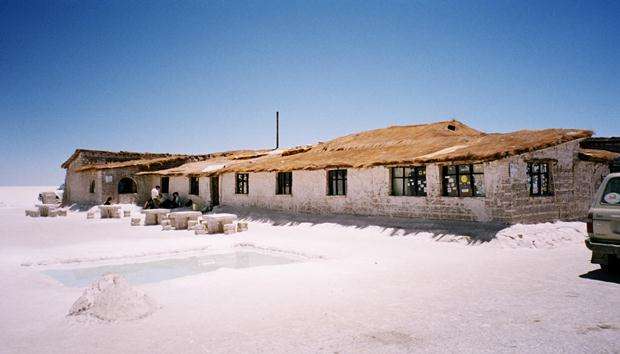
x,y
443,170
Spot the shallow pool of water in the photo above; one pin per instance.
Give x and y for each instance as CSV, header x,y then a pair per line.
x,y
155,271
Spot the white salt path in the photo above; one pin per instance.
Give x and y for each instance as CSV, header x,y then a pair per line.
x,y
112,298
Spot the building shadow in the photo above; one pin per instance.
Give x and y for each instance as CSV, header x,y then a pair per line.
x,y
442,230
601,275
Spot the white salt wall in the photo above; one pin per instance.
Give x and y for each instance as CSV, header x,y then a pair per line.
x,y
367,194
507,195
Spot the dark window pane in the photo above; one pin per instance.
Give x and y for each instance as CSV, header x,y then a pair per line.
x,y
165,184
478,185
409,187
464,168
450,186
465,186
397,186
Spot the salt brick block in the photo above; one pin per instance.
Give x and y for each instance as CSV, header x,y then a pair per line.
x,y
61,212
52,213
191,223
166,228
126,213
165,223
242,226
90,216
213,227
230,229
200,232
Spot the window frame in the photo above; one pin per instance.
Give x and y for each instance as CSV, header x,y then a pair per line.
x,y
471,174
242,183
335,176
415,191
284,183
165,187
194,181
530,178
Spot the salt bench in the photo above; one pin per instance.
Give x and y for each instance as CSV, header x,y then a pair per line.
x,y
45,209
179,219
110,211
215,222
155,216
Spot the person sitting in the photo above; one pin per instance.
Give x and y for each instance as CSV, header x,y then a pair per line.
x,y
189,203
108,201
176,200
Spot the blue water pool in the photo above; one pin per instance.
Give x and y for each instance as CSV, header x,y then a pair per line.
x,y
155,271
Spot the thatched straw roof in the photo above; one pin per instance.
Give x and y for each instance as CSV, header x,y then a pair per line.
x,y
142,163
598,155
207,165
412,144
102,156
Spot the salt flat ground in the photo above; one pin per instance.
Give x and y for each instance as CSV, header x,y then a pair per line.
x,y
365,287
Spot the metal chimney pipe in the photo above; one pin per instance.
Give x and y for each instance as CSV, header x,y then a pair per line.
x,y
277,129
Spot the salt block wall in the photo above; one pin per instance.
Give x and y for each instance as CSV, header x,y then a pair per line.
x,y
367,194
574,185
507,196
77,187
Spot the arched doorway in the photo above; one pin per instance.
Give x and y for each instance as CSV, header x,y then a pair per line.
x,y
127,186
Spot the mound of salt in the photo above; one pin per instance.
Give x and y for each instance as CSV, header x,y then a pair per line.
x,y
112,298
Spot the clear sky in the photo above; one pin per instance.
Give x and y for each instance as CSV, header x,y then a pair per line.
x,y
204,76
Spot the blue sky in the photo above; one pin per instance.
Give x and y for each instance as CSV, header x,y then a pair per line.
x,y
203,76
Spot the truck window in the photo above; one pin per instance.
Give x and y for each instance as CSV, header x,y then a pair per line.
x,y
611,195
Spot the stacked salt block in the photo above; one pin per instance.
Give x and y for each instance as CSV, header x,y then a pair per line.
x,y
90,215
192,223
61,212
213,227
166,227
135,221
230,229
33,213
126,213
52,213
242,226
165,222
200,231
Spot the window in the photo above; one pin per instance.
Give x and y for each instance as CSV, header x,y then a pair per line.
x,y
165,184
611,195
409,181
193,186
284,182
91,189
337,182
242,183
463,180
538,179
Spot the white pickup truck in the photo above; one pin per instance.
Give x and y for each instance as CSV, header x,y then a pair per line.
x,y
604,224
